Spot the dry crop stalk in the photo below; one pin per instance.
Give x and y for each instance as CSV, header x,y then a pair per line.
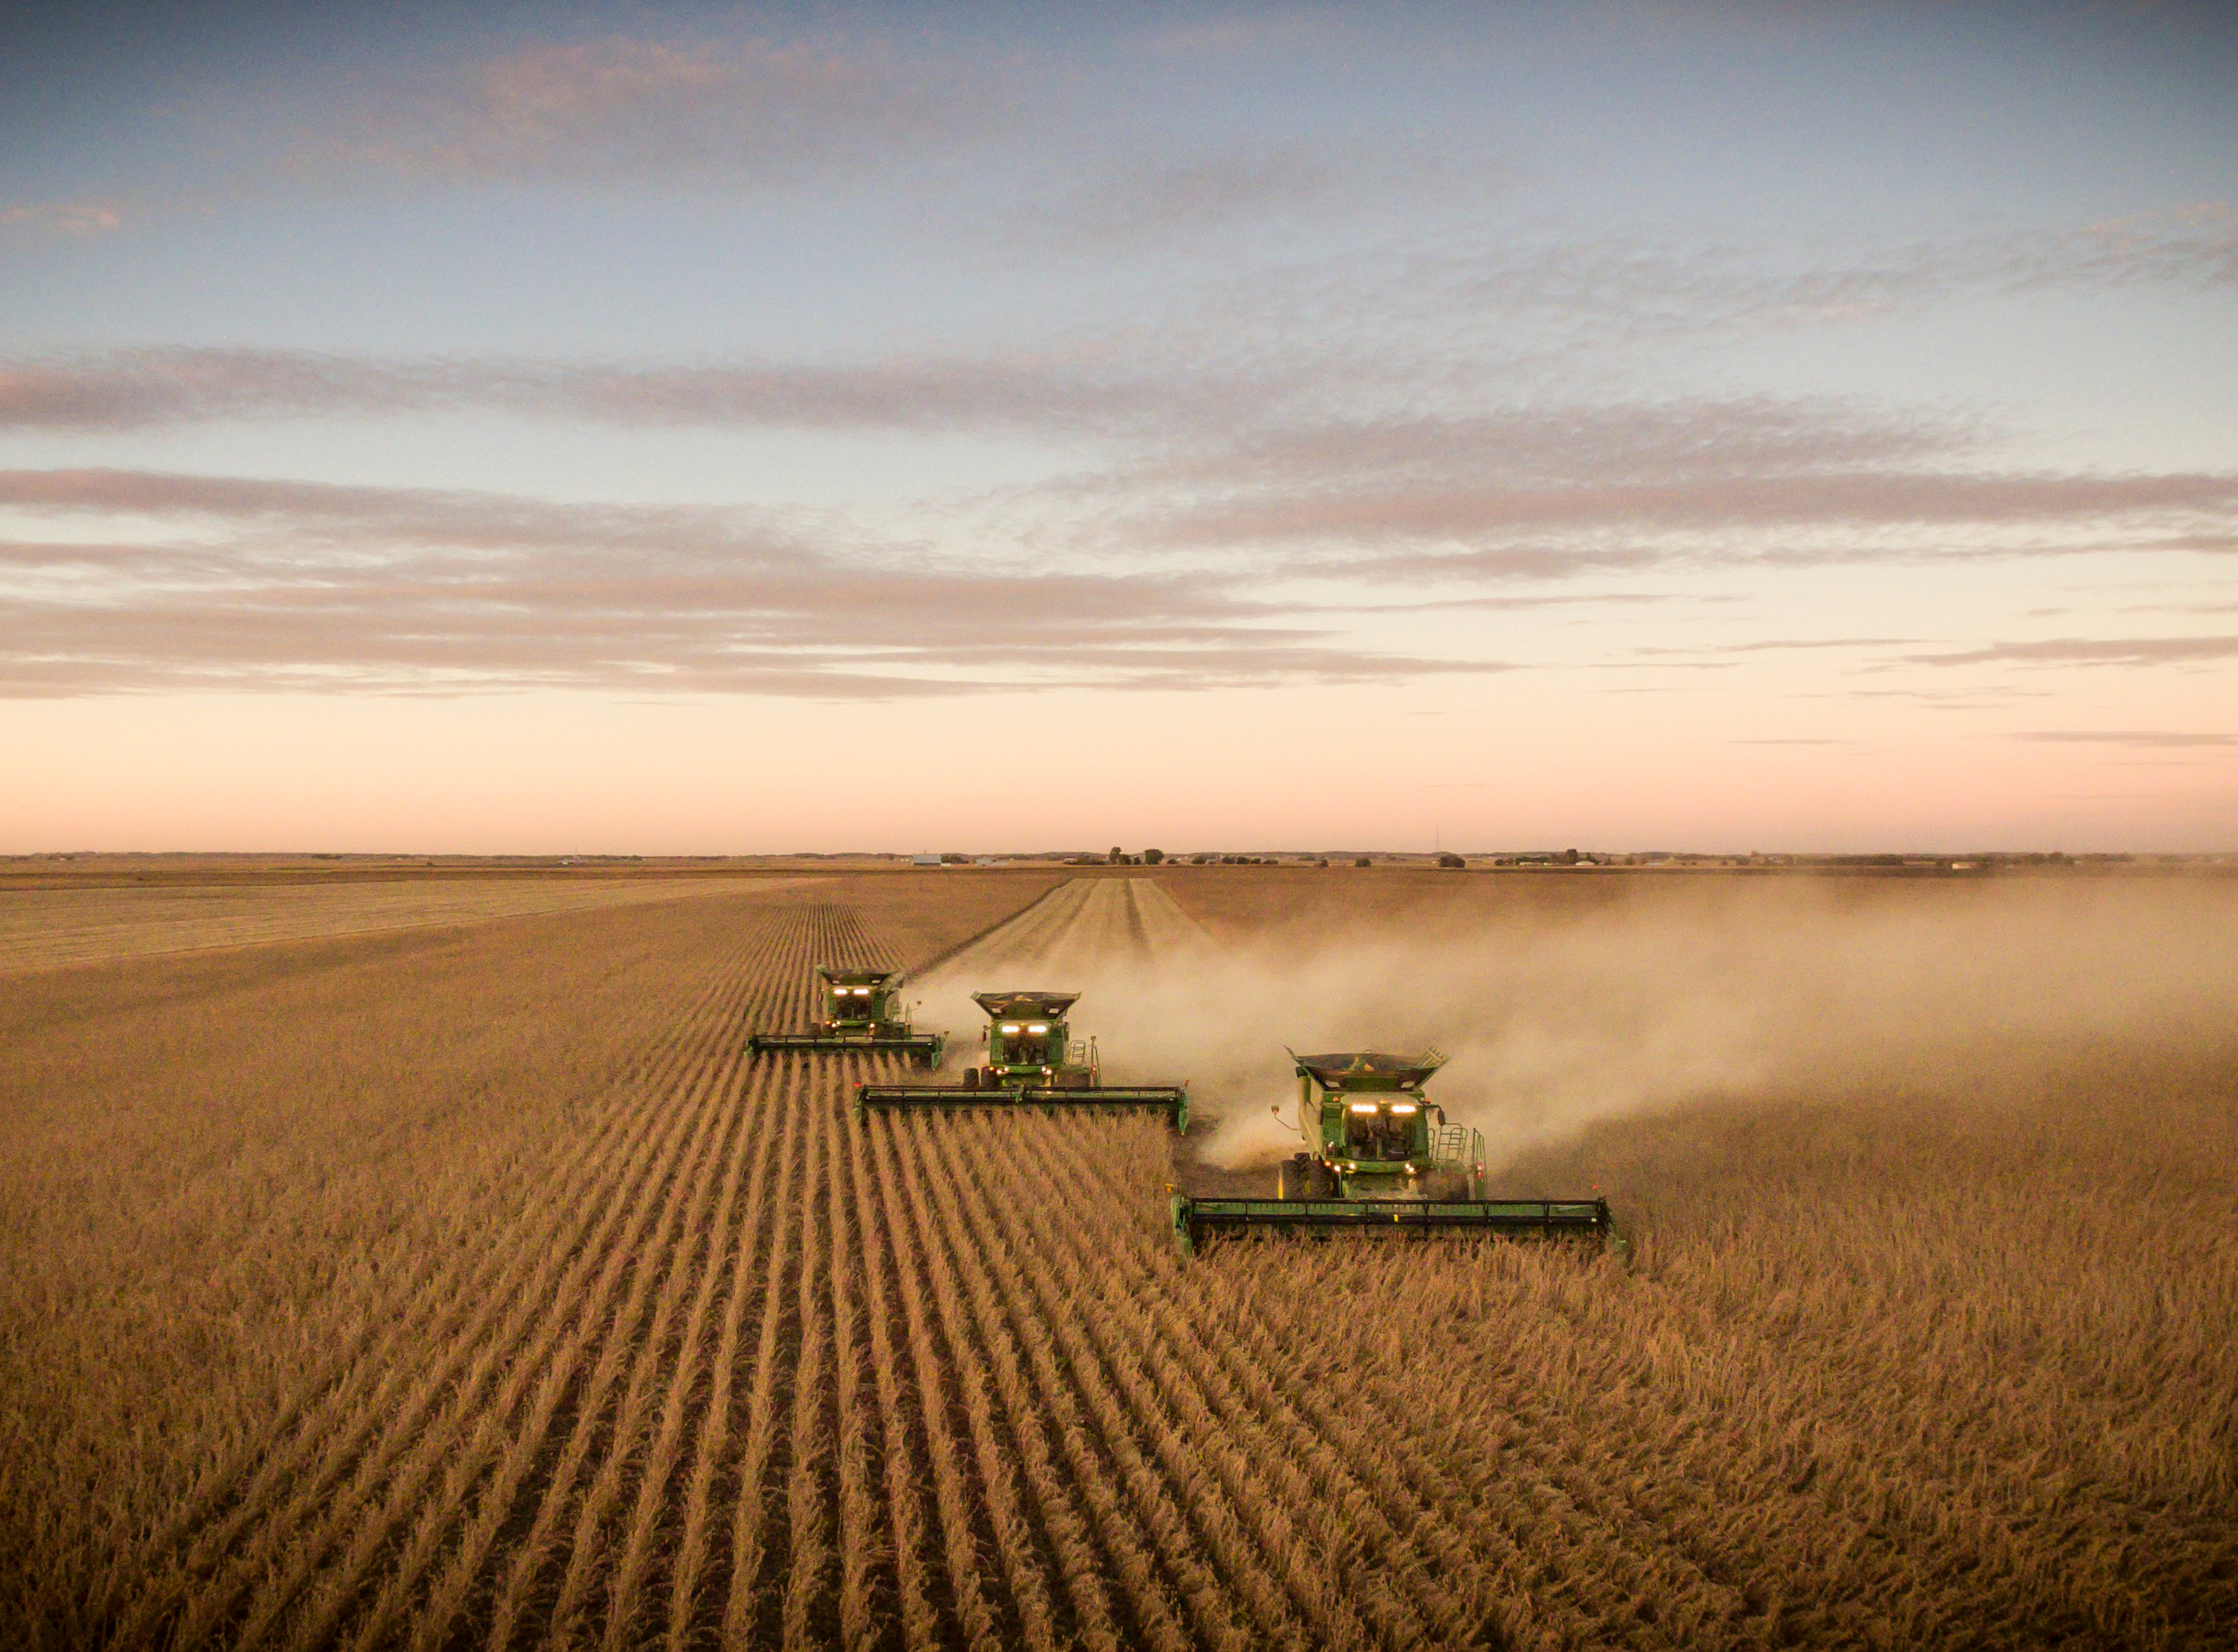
x,y
530,1557
1135,1313
693,1557
1379,1504
1408,1398
720,1269
959,1544
1014,1539
808,1547
448,1299
1180,1456
1114,1526
858,1534
398,1426
1149,1496
451,1596
746,1544
905,1515
1066,1533
1217,1364
686,1262
445,1513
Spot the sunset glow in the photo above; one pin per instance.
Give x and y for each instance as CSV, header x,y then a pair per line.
x,y
682,430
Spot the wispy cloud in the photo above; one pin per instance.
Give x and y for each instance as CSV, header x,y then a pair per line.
x,y
136,388
256,583
75,218
1140,203
2091,650
628,110
1635,288
1224,460
1246,34
2168,739
1228,466
1780,645
1849,497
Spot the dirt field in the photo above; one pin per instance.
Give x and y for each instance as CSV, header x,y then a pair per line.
x,y
468,1284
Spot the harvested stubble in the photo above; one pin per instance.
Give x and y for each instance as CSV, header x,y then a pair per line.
x,y
558,1321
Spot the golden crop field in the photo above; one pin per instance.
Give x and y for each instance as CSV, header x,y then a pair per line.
x,y
45,921
470,1284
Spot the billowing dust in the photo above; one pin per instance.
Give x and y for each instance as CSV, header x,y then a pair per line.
x,y
1554,1019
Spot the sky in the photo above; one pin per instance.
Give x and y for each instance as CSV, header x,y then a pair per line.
x,y
670,429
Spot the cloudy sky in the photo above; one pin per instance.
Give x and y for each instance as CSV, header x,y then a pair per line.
x,y
674,429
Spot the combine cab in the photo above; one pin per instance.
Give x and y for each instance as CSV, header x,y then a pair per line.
x,y
1032,1060
1379,1159
860,1012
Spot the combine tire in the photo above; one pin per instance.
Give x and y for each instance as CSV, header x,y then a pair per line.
x,y
1294,1178
970,1078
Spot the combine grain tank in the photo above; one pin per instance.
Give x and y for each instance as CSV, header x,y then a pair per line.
x,y
862,1012
1032,1061
1379,1159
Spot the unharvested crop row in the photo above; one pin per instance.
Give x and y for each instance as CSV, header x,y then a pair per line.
x,y
477,1364
361,1389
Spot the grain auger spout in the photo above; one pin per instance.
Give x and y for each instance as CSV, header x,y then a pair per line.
x,y
1380,1160
1032,1061
862,1013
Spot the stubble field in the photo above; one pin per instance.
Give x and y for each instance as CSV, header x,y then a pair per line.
x,y
469,1284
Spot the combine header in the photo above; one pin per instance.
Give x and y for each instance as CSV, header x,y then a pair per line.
x,y
1032,1061
1380,1160
860,1014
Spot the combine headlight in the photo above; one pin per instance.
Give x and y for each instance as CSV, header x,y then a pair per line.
x,y
1009,1027
1402,1107
1037,1027
1363,1106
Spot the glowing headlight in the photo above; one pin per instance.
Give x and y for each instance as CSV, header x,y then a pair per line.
x,y
1402,1107
1363,1106
1037,1027
1009,1027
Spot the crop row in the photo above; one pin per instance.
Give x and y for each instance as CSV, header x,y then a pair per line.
x,y
743,1369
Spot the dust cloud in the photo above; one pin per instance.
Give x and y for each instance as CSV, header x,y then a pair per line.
x,y
1555,1017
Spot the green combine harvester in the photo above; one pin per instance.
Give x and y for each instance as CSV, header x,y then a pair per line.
x,y
861,1012
1032,1061
1379,1159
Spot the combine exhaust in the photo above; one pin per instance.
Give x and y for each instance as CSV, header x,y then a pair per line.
x,y
1032,1061
1381,1159
861,1015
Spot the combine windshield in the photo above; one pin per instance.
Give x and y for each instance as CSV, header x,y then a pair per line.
x,y
1375,1133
